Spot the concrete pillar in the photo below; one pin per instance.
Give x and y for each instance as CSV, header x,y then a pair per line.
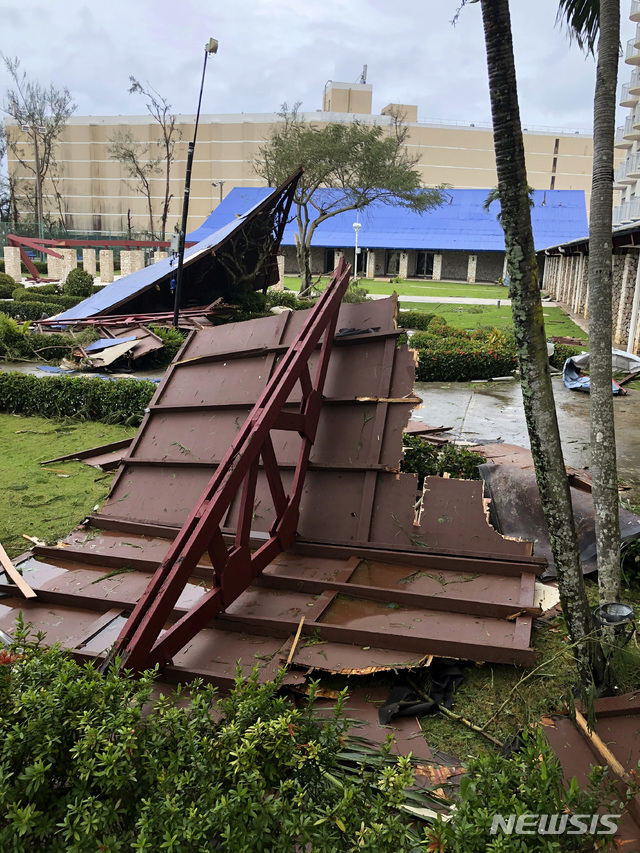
x,y
280,284
437,266
131,261
619,315
403,266
69,262
54,267
578,287
159,255
371,264
89,261
337,256
106,266
505,269
12,263
471,268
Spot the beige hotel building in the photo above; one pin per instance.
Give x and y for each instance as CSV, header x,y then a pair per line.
x,y
95,193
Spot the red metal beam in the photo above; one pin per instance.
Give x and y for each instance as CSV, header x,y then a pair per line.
x,y
139,644
62,242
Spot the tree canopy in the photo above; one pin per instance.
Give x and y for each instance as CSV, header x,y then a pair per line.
x,y
363,163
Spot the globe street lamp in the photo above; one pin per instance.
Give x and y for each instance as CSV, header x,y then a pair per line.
x,y
356,227
210,47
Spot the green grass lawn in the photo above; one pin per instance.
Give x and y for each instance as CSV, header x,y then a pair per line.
x,y
557,323
48,501
421,288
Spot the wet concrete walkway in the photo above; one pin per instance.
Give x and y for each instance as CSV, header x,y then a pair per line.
x,y
481,412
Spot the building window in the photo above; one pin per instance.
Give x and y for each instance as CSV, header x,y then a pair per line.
x,y
329,260
424,264
393,263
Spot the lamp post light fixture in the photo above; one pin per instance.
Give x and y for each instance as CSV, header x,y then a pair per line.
x,y
210,47
619,617
356,227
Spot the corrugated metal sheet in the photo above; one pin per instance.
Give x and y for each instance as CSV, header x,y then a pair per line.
x,y
459,224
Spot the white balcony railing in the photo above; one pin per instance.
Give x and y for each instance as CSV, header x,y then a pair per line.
x,y
634,14
632,53
626,98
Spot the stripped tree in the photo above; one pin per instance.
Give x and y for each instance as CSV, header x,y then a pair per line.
x,y
139,163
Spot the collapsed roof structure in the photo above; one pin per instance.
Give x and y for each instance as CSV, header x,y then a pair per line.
x,y
261,505
239,254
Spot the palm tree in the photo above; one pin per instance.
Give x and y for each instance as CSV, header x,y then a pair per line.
x,y
590,21
530,337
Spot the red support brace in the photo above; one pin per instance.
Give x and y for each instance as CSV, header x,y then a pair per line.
x,y
140,644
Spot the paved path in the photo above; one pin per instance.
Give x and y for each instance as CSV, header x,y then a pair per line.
x,y
443,300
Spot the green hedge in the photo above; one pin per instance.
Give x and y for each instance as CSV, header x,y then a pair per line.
x,y
416,320
35,294
94,399
564,351
447,361
30,310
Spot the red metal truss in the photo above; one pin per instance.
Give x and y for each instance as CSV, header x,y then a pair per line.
x,y
140,644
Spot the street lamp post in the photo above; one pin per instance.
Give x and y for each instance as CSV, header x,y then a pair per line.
x,y
210,47
356,227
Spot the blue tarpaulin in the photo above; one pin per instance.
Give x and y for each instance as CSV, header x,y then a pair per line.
x,y
105,343
575,380
459,224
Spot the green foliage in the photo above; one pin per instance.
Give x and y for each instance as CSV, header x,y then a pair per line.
x,y
39,294
83,768
94,399
416,320
397,280
30,310
7,285
287,299
530,782
173,340
78,283
447,354
17,343
428,460
562,352
356,293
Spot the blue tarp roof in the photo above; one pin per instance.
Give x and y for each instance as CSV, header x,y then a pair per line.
x,y
121,291
459,224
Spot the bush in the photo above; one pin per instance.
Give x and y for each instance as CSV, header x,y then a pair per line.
x,y
562,352
415,320
529,783
17,343
285,299
447,354
429,460
78,283
355,293
172,339
89,762
31,310
7,285
85,397
36,294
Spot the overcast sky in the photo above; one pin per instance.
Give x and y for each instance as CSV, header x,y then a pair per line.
x,y
285,50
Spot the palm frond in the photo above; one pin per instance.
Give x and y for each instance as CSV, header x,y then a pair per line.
x,y
582,21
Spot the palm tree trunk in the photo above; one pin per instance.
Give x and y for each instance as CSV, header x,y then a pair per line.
x,y
603,448
537,392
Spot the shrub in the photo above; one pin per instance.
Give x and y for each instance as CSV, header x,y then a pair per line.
x,y
562,352
35,294
78,283
416,320
84,397
172,339
286,299
447,354
356,293
7,285
428,460
529,783
31,310
85,766
17,343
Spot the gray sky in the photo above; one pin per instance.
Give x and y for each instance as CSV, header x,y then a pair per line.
x,y
285,50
